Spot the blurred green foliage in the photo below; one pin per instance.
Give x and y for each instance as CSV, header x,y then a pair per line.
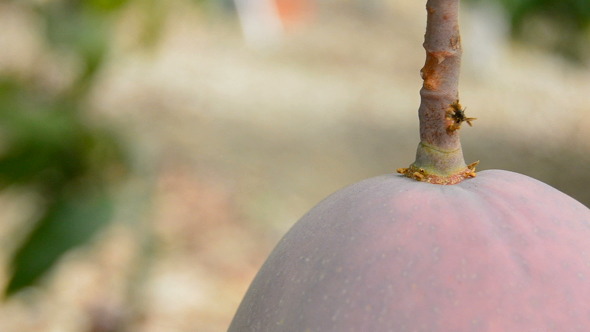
x,y
561,26
50,146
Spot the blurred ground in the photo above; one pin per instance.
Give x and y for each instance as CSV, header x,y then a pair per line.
x,y
235,142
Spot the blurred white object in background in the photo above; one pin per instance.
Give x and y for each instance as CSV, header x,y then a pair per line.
x,y
260,21
486,37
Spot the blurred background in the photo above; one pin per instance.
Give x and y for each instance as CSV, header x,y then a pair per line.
x,y
153,152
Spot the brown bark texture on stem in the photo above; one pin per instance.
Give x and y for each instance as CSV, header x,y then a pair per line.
x,y
439,157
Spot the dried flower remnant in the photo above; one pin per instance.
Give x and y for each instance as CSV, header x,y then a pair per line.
x,y
456,112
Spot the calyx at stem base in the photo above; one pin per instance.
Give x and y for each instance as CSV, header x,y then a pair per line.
x,y
430,163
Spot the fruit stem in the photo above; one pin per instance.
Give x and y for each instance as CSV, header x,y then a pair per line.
x,y
439,157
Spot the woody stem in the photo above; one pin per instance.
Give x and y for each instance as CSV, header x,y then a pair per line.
x,y
440,151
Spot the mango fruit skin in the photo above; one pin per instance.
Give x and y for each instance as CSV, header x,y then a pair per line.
x,y
499,252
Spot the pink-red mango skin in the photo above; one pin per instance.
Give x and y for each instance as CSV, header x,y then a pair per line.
x,y
499,252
